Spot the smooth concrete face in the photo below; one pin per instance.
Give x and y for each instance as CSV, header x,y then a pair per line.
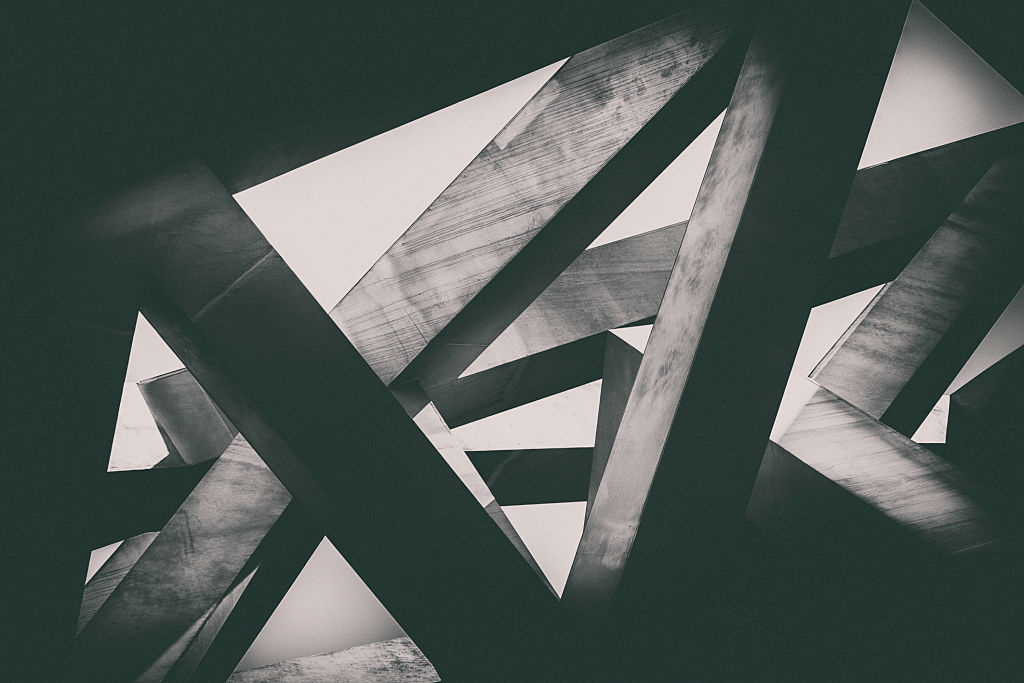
x,y
621,365
889,472
700,412
391,661
282,372
909,345
529,476
892,210
528,175
192,426
147,621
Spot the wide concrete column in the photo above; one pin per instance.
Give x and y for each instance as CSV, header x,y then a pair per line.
x,y
591,139
698,418
902,353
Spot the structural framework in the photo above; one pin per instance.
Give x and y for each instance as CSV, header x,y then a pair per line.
x,y
844,549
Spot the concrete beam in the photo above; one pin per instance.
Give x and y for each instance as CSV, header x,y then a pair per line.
x,y
192,426
621,365
148,620
282,372
884,470
575,156
397,661
697,421
892,210
535,475
230,628
105,580
901,354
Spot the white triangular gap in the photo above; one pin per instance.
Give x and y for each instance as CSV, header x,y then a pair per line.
x,y
938,91
137,443
331,219
551,532
328,608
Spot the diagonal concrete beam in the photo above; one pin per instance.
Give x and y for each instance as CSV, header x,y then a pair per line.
x,y
892,210
902,353
192,426
689,445
105,580
149,618
884,470
535,475
230,628
575,156
621,365
282,372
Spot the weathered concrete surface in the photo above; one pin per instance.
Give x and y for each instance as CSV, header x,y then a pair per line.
x,y
105,580
903,352
890,473
892,210
524,185
479,395
698,418
390,661
621,365
184,572
192,426
228,631
284,374
113,506
539,475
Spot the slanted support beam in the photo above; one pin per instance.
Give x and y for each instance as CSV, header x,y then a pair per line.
x,y
698,418
902,353
148,620
528,476
591,139
621,365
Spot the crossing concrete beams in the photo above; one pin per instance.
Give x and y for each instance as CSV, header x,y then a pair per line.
x,y
682,465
